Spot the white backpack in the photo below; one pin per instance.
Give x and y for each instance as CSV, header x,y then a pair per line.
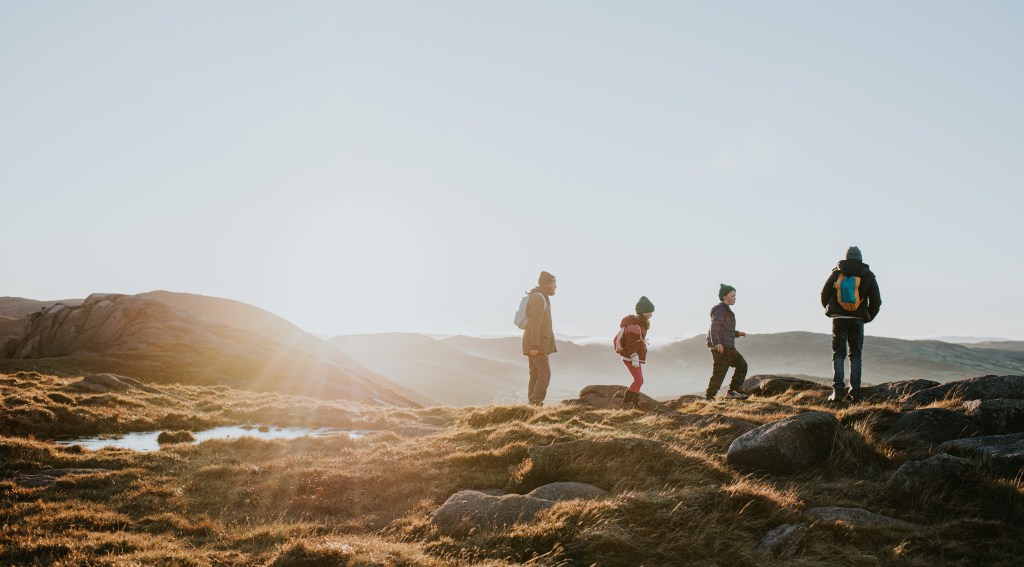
x,y
521,319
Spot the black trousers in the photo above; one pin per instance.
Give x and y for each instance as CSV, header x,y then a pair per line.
x,y
723,361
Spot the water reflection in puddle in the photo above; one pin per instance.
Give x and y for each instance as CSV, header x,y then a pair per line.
x,y
147,440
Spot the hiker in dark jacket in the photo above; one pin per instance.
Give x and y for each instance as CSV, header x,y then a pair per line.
x,y
722,342
634,348
851,298
539,337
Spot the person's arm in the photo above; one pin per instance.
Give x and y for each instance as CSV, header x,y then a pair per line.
x,y
631,338
829,289
534,321
717,324
874,301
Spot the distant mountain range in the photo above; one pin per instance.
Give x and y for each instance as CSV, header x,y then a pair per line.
x,y
199,339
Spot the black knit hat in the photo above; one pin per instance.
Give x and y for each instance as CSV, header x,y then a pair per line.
x,y
853,253
545,278
644,306
724,290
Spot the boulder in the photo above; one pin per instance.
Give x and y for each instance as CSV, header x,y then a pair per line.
x,y
768,385
890,391
981,388
932,425
791,445
938,473
1001,455
610,397
856,517
468,510
558,491
997,417
782,542
683,401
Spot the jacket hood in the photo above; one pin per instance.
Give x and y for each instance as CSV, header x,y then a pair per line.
x,y
852,267
719,307
631,320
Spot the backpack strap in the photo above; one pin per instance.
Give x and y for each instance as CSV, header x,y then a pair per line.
x,y
542,298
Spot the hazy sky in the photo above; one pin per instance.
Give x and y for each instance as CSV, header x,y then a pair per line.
x,y
412,166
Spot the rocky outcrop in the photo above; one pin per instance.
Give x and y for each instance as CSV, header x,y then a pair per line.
x,y
791,445
470,510
782,542
932,425
768,385
939,473
610,397
997,417
893,391
856,517
1001,455
981,388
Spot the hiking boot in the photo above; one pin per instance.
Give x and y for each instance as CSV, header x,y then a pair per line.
x,y
837,396
709,397
631,400
854,397
734,395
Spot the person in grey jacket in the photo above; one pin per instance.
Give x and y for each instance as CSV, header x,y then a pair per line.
x,y
722,341
539,337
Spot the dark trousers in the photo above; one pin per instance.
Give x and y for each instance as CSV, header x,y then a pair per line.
x,y
540,377
847,332
731,357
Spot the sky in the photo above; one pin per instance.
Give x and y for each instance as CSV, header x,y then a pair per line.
x,y
363,167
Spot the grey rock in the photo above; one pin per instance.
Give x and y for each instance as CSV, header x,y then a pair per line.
x,y
683,401
857,517
896,390
468,510
1001,455
103,383
768,385
981,388
791,445
782,542
932,425
610,397
558,491
997,417
937,473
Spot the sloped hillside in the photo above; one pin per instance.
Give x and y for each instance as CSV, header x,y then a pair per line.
x,y
153,341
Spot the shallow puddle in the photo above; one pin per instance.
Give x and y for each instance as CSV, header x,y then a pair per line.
x,y
147,440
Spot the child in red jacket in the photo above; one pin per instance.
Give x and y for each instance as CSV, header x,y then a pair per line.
x,y
634,348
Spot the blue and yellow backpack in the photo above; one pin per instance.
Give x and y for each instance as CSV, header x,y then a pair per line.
x,y
848,292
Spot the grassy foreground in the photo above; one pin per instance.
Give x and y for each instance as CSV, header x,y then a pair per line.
x,y
338,501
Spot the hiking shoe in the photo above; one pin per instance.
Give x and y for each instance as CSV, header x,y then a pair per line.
x,y
854,397
734,395
837,396
709,398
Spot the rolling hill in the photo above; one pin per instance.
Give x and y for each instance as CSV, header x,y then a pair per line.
x,y
153,341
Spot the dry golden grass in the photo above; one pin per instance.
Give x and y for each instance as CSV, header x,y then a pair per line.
x,y
340,501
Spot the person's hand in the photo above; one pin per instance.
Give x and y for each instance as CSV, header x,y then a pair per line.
x,y
742,334
720,349
533,352
635,360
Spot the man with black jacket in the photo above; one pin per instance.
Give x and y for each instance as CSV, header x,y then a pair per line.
x,y
851,298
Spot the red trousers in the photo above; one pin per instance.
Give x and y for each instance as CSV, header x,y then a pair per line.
x,y
638,376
